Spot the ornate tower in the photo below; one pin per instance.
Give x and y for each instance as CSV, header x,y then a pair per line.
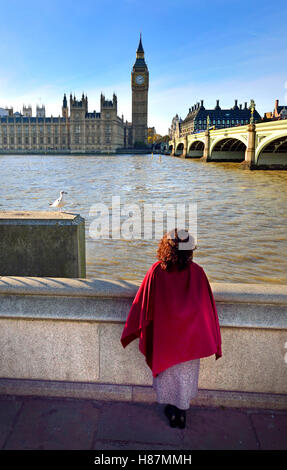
x,y
140,82
65,111
78,110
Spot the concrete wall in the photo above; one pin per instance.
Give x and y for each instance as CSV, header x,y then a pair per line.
x,y
42,243
62,337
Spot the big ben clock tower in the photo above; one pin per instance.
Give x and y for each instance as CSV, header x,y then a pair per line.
x,y
140,82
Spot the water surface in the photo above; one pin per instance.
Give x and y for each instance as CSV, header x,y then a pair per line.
x,y
242,215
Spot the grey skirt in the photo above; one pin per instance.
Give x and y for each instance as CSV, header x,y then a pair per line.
x,y
178,384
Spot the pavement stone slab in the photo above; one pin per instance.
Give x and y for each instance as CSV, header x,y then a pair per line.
x,y
9,409
271,430
54,424
136,423
219,429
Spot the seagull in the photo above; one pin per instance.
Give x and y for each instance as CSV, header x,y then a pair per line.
x,y
60,201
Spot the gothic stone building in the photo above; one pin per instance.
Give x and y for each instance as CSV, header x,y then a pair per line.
x,y
78,130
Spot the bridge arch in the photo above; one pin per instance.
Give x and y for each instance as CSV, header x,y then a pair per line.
x,y
228,149
179,148
170,149
195,149
272,151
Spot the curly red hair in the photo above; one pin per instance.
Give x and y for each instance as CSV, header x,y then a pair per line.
x,y
168,252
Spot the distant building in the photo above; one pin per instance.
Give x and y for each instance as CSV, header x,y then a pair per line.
x,y
40,111
279,112
27,111
152,135
174,129
6,112
196,119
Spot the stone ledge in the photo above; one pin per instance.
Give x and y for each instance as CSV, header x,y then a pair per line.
x,y
115,308
93,287
76,287
35,216
137,393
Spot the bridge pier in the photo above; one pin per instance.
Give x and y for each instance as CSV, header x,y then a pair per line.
x,y
249,162
206,151
173,149
185,146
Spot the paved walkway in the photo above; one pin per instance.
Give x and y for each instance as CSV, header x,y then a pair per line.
x,y
47,423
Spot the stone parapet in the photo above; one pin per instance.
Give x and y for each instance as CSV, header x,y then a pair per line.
x,y
67,331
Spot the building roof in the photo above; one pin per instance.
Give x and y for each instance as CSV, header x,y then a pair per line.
x,y
200,113
26,120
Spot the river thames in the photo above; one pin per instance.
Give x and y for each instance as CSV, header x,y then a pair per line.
x,y
242,215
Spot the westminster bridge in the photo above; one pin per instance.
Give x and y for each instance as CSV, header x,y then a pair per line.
x,y
255,146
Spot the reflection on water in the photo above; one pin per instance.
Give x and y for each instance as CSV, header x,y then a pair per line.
x,y
242,215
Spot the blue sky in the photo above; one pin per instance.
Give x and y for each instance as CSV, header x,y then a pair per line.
x,y
195,50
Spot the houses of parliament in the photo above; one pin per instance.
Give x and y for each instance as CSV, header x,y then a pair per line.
x,y
78,130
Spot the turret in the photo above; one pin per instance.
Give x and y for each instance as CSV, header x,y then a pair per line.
x,y
65,107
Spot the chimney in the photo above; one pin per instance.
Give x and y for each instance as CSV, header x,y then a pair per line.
x,y
245,105
201,103
276,104
235,105
240,106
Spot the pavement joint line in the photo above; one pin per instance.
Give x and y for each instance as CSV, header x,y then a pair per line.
x,y
14,422
255,431
94,439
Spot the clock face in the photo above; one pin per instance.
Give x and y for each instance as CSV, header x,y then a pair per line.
x,y
139,79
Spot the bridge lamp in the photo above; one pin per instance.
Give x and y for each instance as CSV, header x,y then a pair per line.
x,y
252,108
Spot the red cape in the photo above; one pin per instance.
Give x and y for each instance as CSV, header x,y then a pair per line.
x,y
175,317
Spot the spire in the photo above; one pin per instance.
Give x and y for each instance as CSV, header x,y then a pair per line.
x,y
140,62
140,47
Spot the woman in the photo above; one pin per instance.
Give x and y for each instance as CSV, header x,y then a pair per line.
x,y
175,317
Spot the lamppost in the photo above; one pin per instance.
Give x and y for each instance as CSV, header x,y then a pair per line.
x,y
207,122
252,108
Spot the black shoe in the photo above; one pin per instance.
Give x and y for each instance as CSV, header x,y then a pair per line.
x,y
181,419
171,413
